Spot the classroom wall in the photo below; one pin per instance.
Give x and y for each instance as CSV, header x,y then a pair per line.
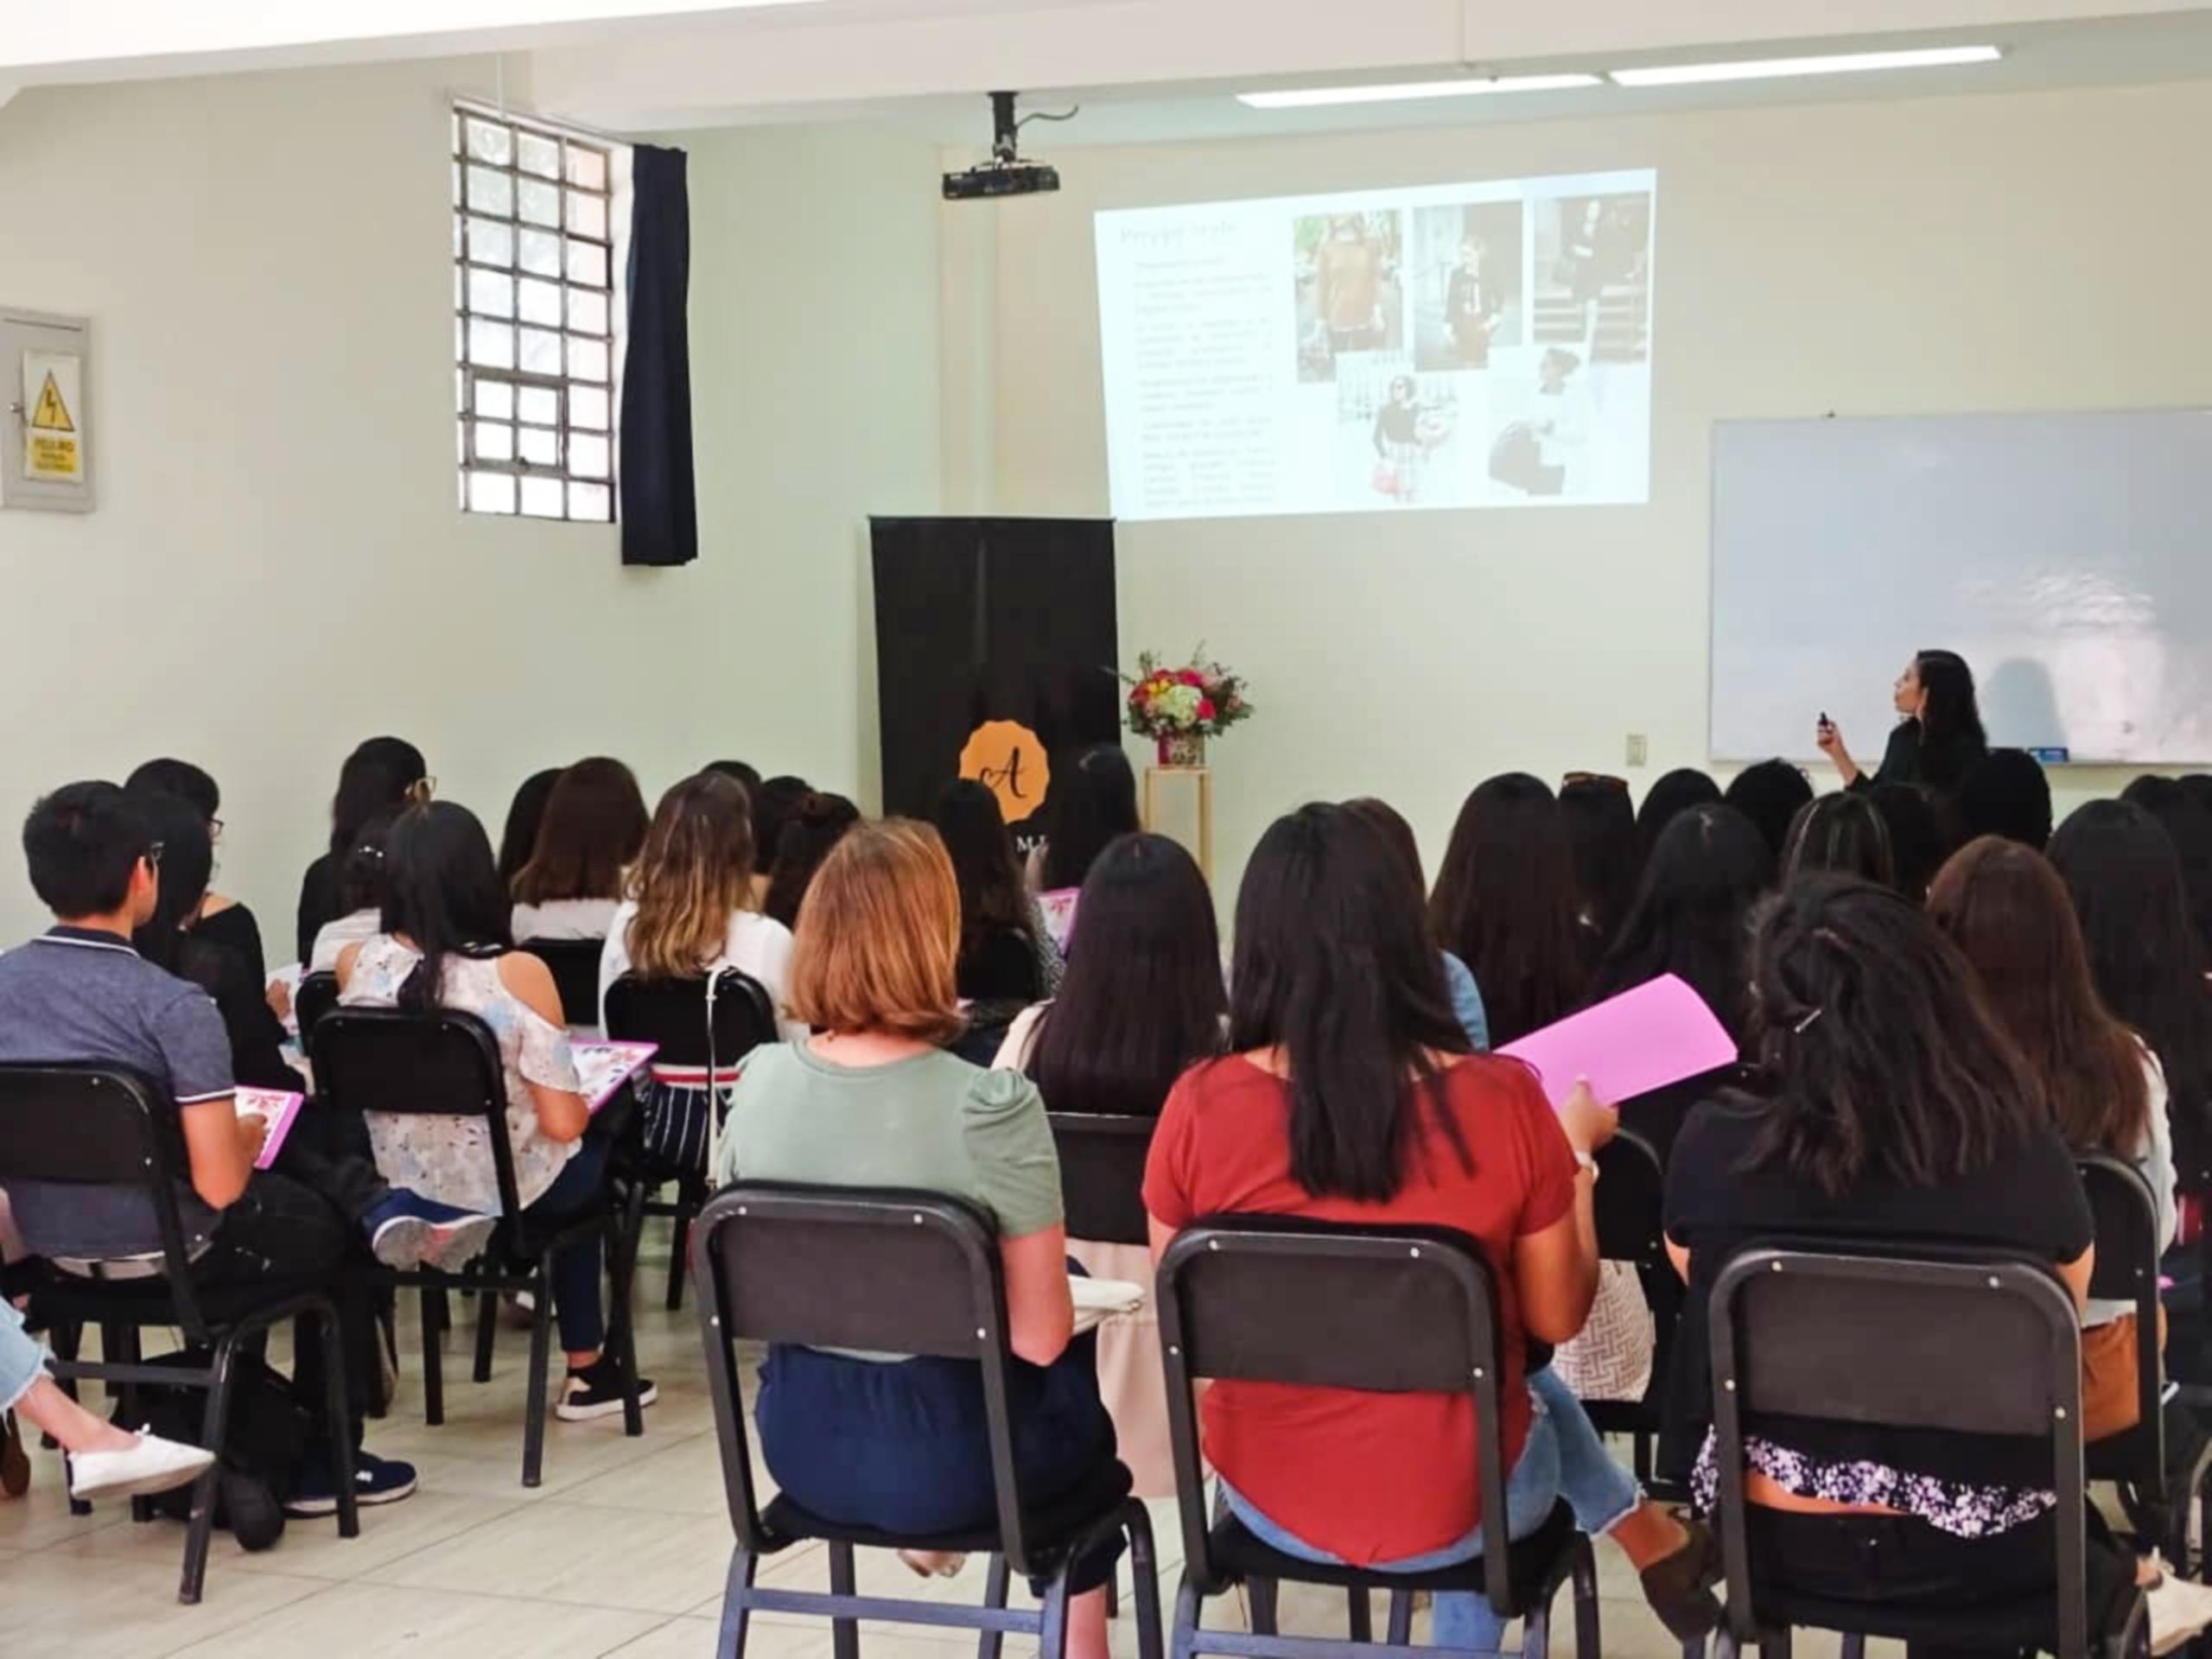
x,y
1984,253
278,568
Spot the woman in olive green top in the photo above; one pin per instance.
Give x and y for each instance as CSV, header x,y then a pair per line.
x,y
886,1441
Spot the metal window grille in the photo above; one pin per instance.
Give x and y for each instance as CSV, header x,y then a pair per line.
x,y
534,318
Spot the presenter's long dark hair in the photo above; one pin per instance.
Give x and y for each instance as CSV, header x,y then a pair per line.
x,y
1951,737
1334,968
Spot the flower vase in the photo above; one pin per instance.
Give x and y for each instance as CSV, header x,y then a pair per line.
x,y
1183,751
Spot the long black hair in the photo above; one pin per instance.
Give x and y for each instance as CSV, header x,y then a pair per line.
x,y
2187,824
443,890
381,772
188,865
1334,968
1951,737
524,814
361,872
1503,904
816,825
1143,999
1692,913
2124,878
1882,1056
1845,833
190,784
774,804
1770,794
1087,806
1918,845
1673,795
992,898
1602,850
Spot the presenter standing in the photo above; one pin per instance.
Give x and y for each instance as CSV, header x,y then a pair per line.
x,y
1938,736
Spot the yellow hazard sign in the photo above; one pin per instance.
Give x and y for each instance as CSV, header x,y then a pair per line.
x,y
53,447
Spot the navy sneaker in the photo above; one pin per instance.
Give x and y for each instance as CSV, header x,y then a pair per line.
x,y
408,1230
376,1480
596,1391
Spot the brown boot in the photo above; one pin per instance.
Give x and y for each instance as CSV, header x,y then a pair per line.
x,y
1679,1586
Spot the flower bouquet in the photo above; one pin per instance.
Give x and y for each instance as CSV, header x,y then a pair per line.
x,y
1179,708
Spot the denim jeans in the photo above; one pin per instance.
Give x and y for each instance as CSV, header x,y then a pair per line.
x,y
1563,1459
22,1362
578,1188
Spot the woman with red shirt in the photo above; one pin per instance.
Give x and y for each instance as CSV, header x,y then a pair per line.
x,y
1350,1097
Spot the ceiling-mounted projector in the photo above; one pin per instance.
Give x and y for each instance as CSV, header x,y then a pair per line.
x,y
1006,174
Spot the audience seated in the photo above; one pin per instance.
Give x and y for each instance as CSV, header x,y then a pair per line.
x,y
1087,806
1504,905
594,828
1368,1108
1601,846
1918,840
2006,793
874,1099
1770,794
360,889
689,915
382,772
81,993
817,824
1143,1001
1674,794
525,817
2006,909
2187,824
448,947
220,919
1898,1112
1458,979
1008,959
105,1460
1845,834
2125,878
773,804
740,771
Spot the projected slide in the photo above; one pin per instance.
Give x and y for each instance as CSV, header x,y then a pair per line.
x,y
1452,346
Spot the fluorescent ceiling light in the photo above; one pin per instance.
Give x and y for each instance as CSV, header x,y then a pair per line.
x,y
1302,97
1690,75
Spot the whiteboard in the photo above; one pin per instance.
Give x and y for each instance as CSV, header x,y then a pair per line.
x,y
2068,558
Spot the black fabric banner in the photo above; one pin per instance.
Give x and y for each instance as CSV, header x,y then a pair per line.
x,y
660,511
995,647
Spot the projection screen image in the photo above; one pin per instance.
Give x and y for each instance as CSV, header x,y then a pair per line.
x,y
1450,345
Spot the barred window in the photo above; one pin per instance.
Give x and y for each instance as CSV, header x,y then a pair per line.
x,y
535,341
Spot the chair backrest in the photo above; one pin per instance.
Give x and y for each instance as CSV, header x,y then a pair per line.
x,y
877,1269
1383,1310
691,1029
1899,1341
442,1064
2126,1270
1102,1175
317,995
74,1125
575,965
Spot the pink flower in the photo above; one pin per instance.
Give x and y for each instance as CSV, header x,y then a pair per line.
x,y
1205,709
1190,677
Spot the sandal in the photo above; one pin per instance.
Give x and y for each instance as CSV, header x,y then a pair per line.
x,y
933,1564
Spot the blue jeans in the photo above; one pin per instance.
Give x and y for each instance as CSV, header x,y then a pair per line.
x,y
578,1188
22,1362
1563,1457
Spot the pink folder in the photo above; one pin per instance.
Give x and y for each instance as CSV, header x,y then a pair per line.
x,y
602,1068
280,1107
1644,1039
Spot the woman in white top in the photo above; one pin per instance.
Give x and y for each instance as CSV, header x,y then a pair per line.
x,y
360,895
594,827
448,947
690,915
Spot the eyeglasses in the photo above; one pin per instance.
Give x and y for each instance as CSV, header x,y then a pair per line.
x,y
422,790
214,829
154,856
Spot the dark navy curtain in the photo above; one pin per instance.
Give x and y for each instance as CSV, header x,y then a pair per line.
x,y
660,508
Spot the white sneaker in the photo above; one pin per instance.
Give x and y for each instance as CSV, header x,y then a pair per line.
x,y
2180,1610
153,1466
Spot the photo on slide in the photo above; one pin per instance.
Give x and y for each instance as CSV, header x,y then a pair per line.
x,y
1593,276
1465,279
1345,269
1399,434
1545,418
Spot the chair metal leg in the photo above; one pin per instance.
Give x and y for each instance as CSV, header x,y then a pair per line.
x,y
622,1333
845,1633
201,1530
997,1580
1263,1594
487,1326
434,1373
1775,1643
541,1344
1536,1632
1854,1645
1362,1616
1401,1628
1144,1580
338,1422
737,1612
1588,1645
679,1248
1052,1628
1641,1453
1189,1607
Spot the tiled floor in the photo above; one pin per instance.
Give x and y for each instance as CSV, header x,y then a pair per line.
x,y
622,1551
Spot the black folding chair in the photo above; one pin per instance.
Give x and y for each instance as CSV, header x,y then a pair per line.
x,y
102,1126
914,1272
1381,1310
697,1026
1964,1347
574,966
447,1065
1631,1209
2127,1270
317,995
1102,1175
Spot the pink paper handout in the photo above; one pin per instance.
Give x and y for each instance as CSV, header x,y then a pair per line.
x,y
1642,1039
278,1108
